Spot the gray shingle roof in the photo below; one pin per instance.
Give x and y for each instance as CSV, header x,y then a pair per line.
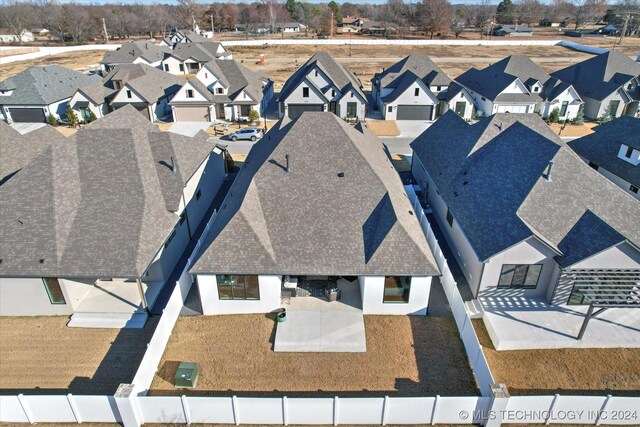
x,y
96,205
602,146
600,76
44,85
129,52
152,83
419,65
201,52
312,220
490,174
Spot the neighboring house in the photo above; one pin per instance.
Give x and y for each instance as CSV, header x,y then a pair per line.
x,y
7,36
527,220
148,89
185,36
95,226
136,52
517,85
322,84
35,93
373,28
222,90
188,58
40,32
351,24
416,89
513,30
291,27
614,151
316,198
93,98
607,83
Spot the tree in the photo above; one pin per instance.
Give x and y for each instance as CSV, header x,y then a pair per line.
x,y
16,16
529,11
505,12
587,10
337,13
291,5
458,23
554,115
51,119
187,10
434,15
72,119
579,119
253,116
92,117
482,16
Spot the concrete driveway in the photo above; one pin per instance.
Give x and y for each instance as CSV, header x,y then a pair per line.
x,y
412,128
23,128
189,128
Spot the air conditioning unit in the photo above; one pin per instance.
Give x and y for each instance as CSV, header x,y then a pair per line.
x,y
187,375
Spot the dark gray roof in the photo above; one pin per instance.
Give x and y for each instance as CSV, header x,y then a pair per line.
x,y
419,65
490,175
193,37
44,85
339,75
311,220
129,52
600,76
151,83
96,92
100,203
602,146
201,52
510,28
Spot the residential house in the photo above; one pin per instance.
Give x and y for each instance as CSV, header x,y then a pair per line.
x,y
530,224
291,27
517,30
222,90
186,36
135,52
94,227
40,32
614,151
148,89
416,89
8,36
188,58
607,83
37,92
322,84
315,199
373,28
517,85
351,24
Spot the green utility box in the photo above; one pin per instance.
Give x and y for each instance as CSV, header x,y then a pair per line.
x,y
186,375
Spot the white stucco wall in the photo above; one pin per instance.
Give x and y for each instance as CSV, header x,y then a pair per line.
x,y
372,294
181,95
121,96
28,297
269,288
99,110
341,110
569,95
208,179
620,256
622,183
173,65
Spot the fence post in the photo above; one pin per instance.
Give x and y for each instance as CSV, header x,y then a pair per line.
x,y
285,410
234,405
603,410
551,408
499,400
434,412
74,408
335,410
127,403
26,408
185,409
385,408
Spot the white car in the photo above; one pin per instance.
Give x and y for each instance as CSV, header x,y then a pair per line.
x,y
246,133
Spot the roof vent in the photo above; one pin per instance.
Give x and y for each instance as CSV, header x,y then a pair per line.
x,y
547,172
340,174
41,260
287,169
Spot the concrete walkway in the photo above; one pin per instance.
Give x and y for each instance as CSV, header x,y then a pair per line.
x,y
317,325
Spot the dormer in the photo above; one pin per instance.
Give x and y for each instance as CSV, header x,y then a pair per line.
x,y
534,87
631,85
629,154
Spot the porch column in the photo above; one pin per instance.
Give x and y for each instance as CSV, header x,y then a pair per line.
x,y
142,296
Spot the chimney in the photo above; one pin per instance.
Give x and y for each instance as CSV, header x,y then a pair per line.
x,y
287,170
547,173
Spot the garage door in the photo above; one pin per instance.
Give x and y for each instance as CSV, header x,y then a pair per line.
x,y
513,108
27,115
414,112
192,114
296,109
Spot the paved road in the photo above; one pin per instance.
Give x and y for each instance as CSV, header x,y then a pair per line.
x,y
441,59
46,51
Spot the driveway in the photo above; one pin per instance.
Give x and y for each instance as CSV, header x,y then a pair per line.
x,y
412,128
189,128
24,128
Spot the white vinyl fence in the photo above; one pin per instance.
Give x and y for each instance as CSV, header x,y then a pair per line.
x,y
58,409
396,42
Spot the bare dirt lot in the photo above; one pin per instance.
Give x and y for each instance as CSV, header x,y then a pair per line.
x,y
41,355
613,371
406,356
80,61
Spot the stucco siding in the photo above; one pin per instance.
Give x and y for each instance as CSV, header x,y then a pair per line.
x,y
620,256
269,288
372,293
28,297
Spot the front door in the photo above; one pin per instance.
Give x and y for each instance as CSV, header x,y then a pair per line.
x,y
85,114
352,109
220,111
332,107
460,107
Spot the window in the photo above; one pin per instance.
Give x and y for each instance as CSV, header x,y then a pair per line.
x,y
438,88
593,165
630,86
181,66
173,234
536,88
305,92
116,85
519,276
449,218
166,67
633,189
629,152
484,99
52,285
563,109
390,109
352,109
282,107
351,94
206,75
232,287
460,107
189,93
333,93
396,289
613,108
416,92
198,194
219,90
128,94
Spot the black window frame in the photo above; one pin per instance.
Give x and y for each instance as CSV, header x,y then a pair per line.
x,y
129,95
47,282
593,166
219,90
449,218
237,285
629,152
405,297
166,67
305,92
633,189
181,67
390,109
563,108
416,92
189,93
514,276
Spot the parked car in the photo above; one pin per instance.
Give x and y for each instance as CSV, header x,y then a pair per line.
x,y
246,133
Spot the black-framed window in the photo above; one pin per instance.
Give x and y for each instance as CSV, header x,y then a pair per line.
x,y
166,67
198,194
449,218
594,166
305,92
181,67
390,109
416,91
54,290
189,93
173,234
563,109
219,90
238,287
396,289
633,189
519,276
629,152
352,109
128,93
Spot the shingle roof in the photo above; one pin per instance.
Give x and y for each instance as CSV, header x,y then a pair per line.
x,y
44,85
129,52
490,175
201,52
602,146
98,204
419,65
152,83
600,76
312,220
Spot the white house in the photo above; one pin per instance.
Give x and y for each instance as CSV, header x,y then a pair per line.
x,y
316,200
608,83
37,92
614,151
135,52
518,85
6,36
124,201
188,58
322,84
291,27
222,90
416,89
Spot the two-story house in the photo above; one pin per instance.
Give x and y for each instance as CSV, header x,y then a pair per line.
x,y
322,84
222,90
188,58
135,52
416,89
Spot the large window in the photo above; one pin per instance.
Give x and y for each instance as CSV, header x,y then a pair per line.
x,y
613,108
352,109
396,289
52,285
563,109
519,276
238,287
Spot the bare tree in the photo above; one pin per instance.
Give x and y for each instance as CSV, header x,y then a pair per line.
x,y
529,11
587,10
458,23
76,23
187,10
16,16
434,15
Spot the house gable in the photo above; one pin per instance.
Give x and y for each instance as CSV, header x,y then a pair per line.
x,y
122,96
181,95
406,95
296,95
516,87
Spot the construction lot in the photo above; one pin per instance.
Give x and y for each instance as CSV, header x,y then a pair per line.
x,y
41,355
406,356
570,371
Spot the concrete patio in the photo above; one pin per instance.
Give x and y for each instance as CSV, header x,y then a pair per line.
x,y
316,325
521,324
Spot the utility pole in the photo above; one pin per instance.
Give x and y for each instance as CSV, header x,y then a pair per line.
x,y
624,27
104,28
213,30
331,23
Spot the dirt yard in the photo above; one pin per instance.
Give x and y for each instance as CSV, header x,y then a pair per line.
x,y
41,355
564,371
406,356
573,130
384,127
79,61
